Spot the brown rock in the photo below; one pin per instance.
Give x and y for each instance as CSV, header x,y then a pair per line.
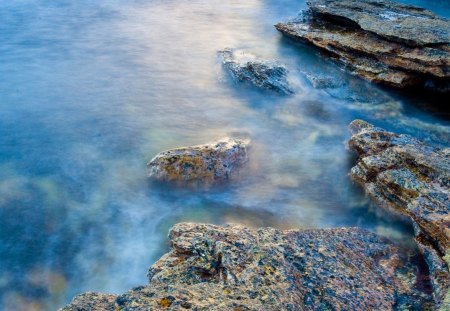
x,y
236,268
375,47
410,177
204,163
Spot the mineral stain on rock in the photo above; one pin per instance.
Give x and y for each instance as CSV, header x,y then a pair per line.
x,y
236,268
203,163
264,74
381,41
413,178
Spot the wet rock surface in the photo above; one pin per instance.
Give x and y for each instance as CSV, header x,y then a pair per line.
x,y
203,163
263,74
381,41
237,268
413,178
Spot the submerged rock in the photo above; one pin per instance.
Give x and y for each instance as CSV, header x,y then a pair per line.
x,y
381,41
263,74
236,268
204,163
408,176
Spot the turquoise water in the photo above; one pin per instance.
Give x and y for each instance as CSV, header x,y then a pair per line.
x,y
90,91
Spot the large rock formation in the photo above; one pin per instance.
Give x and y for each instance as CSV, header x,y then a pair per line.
x,y
236,268
380,40
204,163
263,74
408,176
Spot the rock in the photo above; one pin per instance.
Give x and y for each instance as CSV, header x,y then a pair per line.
x,y
204,163
324,82
408,176
236,268
92,302
263,74
381,41
392,20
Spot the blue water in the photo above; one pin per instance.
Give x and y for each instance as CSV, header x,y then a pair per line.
x,y
91,90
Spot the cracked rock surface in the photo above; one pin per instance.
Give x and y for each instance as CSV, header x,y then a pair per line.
x,y
236,268
413,178
381,41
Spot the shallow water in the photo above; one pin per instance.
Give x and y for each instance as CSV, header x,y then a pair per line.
x,y
90,91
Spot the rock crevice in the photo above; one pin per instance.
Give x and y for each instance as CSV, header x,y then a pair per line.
x,y
412,178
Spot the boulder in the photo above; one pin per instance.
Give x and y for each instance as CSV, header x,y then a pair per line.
x,y
412,178
237,268
264,74
203,163
381,41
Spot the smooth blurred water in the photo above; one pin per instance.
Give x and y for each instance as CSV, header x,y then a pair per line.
x,y
91,90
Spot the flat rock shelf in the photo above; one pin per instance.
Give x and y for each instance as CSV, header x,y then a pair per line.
x,y
381,41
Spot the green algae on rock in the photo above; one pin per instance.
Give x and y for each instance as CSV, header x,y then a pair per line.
x,y
263,74
413,178
381,41
236,268
203,163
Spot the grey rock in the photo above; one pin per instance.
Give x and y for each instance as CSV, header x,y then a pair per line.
x,y
263,74
412,178
392,20
237,268
376,56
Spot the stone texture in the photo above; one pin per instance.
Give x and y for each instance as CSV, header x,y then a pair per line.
x,y
264,74
92,302
410,177
372,50
237,268
392,20
203,163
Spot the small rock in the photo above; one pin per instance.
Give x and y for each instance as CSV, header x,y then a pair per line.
x,y
205,163
263,74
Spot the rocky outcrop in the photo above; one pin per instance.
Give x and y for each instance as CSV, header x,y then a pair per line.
x,y
204,163
236,268
263,74
91,301
379,40
408,176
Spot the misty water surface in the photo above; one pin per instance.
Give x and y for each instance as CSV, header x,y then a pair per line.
x,y
92,90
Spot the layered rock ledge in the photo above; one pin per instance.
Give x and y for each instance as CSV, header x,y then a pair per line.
x,y
237,268
379,40
264,74
203,163
413,178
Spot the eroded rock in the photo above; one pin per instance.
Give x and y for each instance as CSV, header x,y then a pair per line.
x,y
204,163
237,268
408,176
381,41
92,302
263,74
395,21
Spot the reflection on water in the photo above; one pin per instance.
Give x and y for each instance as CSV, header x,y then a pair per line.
x,y
91,91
